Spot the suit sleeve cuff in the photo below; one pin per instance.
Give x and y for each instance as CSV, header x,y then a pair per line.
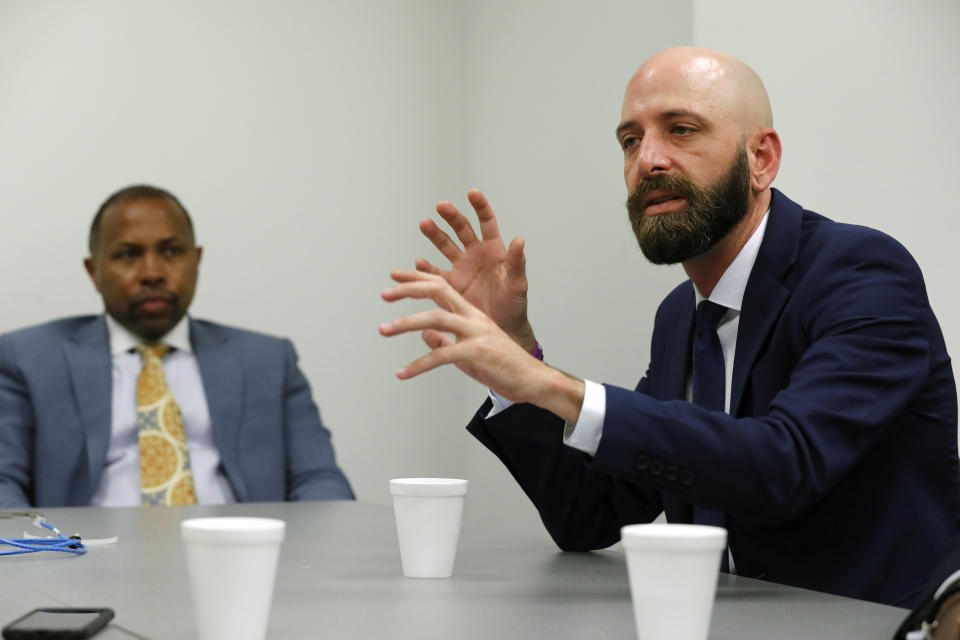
x,y
585,435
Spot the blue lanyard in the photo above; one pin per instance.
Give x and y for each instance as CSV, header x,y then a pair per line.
x,y
32,545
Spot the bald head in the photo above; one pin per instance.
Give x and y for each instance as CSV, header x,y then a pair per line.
x,y
688,111
710,80
698,147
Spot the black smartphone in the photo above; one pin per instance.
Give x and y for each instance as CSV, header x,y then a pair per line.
x,y
58,624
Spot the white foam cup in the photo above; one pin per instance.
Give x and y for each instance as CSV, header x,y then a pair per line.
x,y
427,513
232,563
673,571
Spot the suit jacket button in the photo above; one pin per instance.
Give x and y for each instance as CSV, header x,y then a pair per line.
x,y
673,473
642,462
686,477
656,467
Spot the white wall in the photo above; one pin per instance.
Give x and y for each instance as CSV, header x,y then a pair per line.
x,y
308,138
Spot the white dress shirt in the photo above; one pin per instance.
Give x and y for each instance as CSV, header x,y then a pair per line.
x,y
729,290
120,482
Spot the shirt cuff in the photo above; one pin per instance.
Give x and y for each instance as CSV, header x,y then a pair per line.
x,y
499,404
585,435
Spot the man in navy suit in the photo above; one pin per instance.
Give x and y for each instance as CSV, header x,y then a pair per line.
x,y
828,445
68,389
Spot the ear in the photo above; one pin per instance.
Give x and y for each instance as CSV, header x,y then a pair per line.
x,y
764,154
91,268
199,254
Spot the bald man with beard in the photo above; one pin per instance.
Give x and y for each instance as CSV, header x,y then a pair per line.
x,y
814,416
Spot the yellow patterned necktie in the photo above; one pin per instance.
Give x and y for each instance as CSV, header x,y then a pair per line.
x,y
165,474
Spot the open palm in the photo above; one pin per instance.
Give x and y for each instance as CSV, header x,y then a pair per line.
x,y
487,274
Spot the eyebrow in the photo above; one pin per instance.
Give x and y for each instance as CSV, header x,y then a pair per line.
x,y
665,115
123,246
680,113
629,124
127,244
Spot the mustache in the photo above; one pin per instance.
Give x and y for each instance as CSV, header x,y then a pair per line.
x,y
670,182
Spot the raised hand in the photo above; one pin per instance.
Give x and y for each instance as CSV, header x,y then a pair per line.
x,y
488,275
459,333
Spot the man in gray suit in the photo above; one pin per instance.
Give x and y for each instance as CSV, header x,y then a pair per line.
x,y
70,432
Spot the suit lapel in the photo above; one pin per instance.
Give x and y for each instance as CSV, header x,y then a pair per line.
x,y
765,294
222,373
87,353
676,360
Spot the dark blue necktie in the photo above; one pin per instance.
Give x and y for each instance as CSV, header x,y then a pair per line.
x,y
709,390
708,370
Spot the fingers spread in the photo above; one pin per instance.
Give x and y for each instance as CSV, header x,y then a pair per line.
x,y
516,260
458,222
420,285
488,221
434,319
432,360
440,239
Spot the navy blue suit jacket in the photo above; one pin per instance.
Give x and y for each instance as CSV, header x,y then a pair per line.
x,y
837,467
55,415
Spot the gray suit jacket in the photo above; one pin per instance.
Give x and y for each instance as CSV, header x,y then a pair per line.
x,y
55,415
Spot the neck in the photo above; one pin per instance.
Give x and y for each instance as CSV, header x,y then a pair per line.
x,y
706,269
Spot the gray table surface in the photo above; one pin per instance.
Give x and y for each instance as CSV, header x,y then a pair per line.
x,y
339,577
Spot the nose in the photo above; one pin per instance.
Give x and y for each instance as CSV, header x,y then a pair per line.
x,y
151,269
652,156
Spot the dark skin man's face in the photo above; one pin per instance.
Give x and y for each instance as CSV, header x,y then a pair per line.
x,y
145,265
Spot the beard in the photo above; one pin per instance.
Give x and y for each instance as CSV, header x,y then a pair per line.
x,y
708,215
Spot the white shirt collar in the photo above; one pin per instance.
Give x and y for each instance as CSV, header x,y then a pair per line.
x,y
733,283
123,340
